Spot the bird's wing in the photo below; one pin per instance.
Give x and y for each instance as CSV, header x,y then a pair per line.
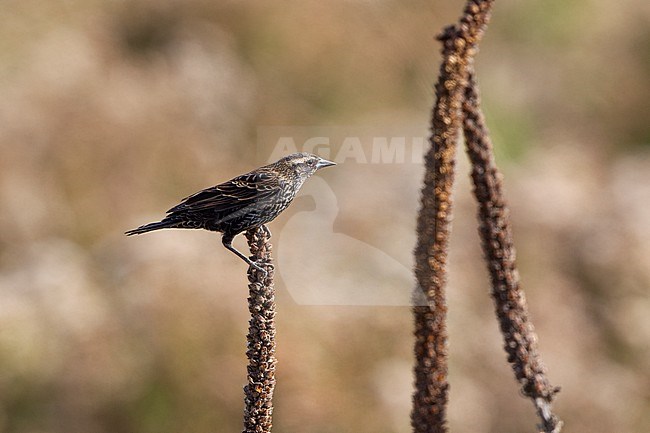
x,y
242,191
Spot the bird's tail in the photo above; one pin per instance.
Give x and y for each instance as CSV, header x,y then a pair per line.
x,y
164,224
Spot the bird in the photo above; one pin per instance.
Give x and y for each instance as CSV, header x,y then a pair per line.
x,y
245,202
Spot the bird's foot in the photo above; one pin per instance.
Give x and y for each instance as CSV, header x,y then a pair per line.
x,y
259,268
266,231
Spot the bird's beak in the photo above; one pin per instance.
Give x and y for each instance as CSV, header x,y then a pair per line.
x,y
324,163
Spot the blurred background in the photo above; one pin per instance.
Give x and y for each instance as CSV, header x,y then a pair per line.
x,y
111,111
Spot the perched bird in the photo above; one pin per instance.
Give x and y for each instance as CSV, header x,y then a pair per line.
x,y
242,203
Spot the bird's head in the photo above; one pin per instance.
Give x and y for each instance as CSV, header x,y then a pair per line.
x,y
304,164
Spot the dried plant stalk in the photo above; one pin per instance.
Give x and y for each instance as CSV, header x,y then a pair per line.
x,y
433,225
261,336
496,235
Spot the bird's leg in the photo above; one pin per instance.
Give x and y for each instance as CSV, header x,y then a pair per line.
x,y
226,240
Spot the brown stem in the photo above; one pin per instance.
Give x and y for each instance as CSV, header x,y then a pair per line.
x,y
261,336
496,235
433,225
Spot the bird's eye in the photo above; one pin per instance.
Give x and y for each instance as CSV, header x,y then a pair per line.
x,y
311,163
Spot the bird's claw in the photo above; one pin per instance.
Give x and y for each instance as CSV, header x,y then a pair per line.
x,y
266,231
259,268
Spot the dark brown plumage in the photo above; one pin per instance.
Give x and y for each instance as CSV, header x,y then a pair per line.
x,y
242,203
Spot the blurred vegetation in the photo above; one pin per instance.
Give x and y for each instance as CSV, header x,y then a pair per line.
x,y
111,111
